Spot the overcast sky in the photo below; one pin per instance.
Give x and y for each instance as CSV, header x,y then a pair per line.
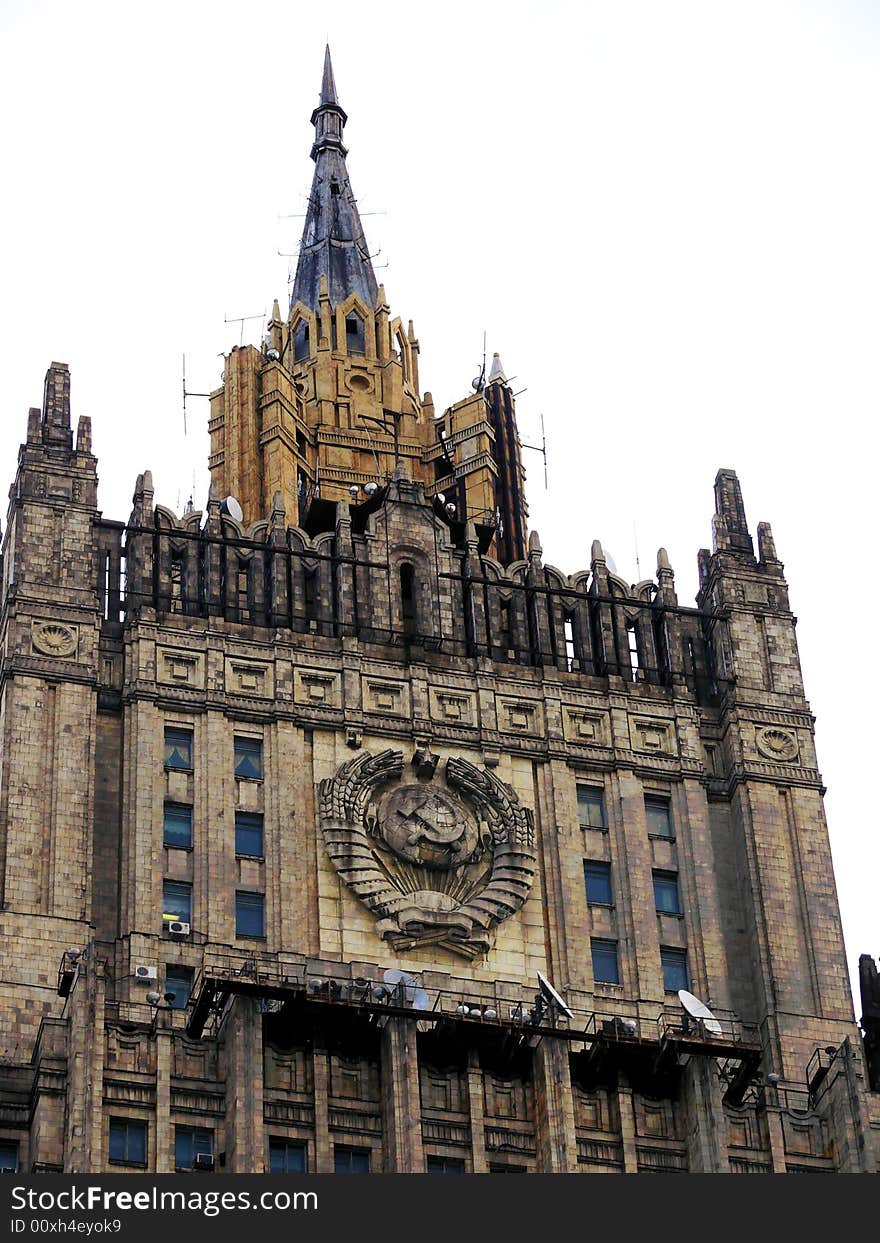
x,y
663,214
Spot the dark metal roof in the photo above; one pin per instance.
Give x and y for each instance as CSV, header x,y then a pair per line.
x,y
333,242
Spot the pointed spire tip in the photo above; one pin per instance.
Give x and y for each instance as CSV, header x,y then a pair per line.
x,y
328,84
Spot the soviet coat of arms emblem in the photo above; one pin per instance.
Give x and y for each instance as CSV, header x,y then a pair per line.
x,y
438,863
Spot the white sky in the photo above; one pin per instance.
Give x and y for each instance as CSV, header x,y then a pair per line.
x,y
665,215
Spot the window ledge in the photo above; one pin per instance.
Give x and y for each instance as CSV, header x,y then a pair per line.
x,y
174,846
242,777
660,837
130,1165
594,828
250,936
244,855
672,914
605,906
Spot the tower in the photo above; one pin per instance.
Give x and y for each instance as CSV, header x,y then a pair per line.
x,y
341,831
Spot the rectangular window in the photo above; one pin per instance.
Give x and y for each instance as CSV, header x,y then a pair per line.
x,y
249,758
444,1165
658,816
605,966
666,897
591,807
286,1157
8,1156
597,878
249,914
179,981
128,1141
351,1160
507,1169
249,834
178,826
176,901
178,748
191,1142
675,969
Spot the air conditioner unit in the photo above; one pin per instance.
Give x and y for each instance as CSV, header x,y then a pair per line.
x,y
178,928
147,975
203,1161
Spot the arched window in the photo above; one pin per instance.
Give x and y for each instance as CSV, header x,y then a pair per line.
x,y
408,616
355,339
301,349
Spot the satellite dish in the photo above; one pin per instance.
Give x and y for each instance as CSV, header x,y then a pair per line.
x,y
420,1000
699,1010
231,507
550,994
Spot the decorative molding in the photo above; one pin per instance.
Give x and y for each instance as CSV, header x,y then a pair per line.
x,y
777,743
652,736
584,726
318,687
177,667
245,677
439,863
54,638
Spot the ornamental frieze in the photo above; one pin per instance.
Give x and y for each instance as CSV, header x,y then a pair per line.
x,y
439,861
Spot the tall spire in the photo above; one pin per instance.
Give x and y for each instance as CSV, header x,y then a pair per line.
x,y
333,243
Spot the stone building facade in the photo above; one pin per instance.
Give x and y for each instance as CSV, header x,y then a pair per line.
x,y
340,831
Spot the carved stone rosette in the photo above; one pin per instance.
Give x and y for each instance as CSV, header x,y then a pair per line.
x,y
438,862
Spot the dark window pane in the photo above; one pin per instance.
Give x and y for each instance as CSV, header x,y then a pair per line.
x,y
178,748
444,1165
351,1161
675,969
591,807
128,1141
605,966
666,897
248,757
8,1156
597,878
188,1143
658,816
179,981
507,1169
178,825
249,912
248,834
286,1157
177,900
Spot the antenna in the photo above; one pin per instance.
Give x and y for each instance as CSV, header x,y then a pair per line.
x,y
542,448
187,393
240,319
636,542
479,381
